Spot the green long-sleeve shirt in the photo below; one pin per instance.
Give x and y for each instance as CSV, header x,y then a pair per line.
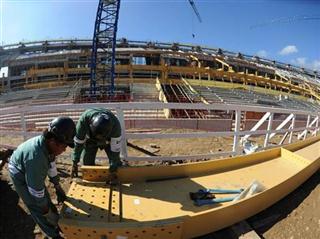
x,y
83,135
32,160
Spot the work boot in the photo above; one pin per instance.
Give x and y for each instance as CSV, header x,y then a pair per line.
x,y
112,178
58,237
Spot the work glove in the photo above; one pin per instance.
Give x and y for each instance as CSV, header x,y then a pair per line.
x,y
52,217
61,195
74,171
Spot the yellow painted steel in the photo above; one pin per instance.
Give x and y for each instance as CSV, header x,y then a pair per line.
x,y
165,70
154,201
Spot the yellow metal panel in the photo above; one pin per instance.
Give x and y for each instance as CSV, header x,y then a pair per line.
x,y
302,144
106,231
162,208
100,173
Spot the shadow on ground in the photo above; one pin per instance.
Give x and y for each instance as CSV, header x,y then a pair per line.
x,y
14,221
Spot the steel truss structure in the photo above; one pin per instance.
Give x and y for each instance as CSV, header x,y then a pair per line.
x,y
103,47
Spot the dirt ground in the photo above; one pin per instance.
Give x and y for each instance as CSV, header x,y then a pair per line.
x,y
296,216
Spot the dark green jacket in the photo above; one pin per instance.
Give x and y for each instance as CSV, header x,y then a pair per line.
x,y
32,163
84,138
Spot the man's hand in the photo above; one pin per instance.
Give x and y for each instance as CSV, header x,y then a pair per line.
x,y
61,195
74,171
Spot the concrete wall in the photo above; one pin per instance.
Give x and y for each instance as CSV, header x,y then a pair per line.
x,y
195,124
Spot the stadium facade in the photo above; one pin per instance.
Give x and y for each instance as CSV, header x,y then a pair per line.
x,y
145,70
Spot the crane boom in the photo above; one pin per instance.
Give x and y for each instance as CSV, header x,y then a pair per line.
x,y
193,5
287,20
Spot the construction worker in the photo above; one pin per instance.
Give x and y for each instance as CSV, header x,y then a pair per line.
x,y
97,128
32,162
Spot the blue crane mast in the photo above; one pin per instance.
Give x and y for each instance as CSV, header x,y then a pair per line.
x,y
102,69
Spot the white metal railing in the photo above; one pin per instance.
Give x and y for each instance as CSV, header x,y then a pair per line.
x,y
310,124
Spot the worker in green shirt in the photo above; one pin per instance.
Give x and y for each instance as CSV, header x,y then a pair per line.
x,y
97,129
32,162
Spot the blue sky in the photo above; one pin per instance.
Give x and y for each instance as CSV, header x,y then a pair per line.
x,y
274,29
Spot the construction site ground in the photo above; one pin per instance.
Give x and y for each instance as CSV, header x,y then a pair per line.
x,y
296,216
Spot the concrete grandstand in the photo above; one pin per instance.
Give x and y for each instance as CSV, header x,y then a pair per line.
x,y
58,71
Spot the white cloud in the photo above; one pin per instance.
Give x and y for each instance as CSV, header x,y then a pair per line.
x,y
300,61
288,50
262,53
303,62
315,65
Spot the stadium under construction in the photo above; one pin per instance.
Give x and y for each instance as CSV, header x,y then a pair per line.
x,y
144,70
211,92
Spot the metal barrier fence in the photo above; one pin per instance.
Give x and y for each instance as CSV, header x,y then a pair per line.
x,y
17,121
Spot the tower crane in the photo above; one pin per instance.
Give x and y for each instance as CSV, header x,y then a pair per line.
x,y
102,67
193,5
103,47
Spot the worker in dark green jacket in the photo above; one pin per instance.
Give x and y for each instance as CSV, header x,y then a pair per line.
x,y
32,162
97,129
